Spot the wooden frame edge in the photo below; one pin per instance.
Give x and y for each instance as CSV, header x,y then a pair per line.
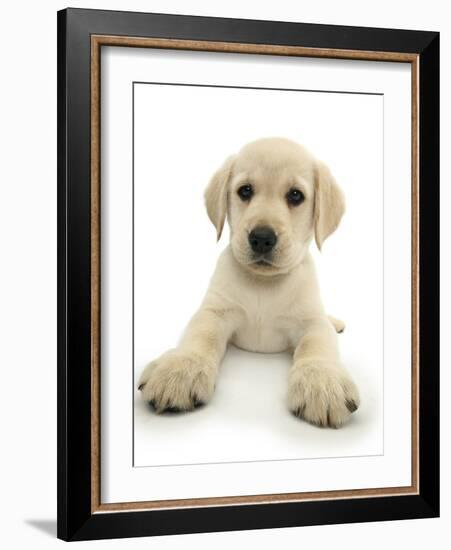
x,y
95,276
246,500
415,269
228,47
236,47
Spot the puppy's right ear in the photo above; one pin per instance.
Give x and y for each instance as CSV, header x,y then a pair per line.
x,y
216,195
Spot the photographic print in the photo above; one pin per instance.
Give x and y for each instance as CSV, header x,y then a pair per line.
x,y
281,204
256,326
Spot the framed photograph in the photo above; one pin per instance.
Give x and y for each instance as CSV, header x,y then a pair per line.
x,y
248,231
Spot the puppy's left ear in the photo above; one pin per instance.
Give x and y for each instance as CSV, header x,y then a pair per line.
x,y
216,195
329,204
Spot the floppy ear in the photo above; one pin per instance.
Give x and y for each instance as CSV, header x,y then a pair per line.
x,y
329,204
216,195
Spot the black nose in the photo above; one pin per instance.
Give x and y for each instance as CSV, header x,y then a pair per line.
x,y
262,239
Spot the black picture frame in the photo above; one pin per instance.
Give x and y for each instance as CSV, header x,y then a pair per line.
x,y
76,520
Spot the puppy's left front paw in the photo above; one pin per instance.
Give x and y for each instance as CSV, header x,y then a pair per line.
x,y
322,393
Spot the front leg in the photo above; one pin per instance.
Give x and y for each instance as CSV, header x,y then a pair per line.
x,y
320,389
183,378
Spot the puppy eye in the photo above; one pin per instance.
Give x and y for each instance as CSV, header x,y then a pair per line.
x,y
245,192
295,197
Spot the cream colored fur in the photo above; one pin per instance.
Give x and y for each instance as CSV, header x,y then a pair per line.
x,y
264,308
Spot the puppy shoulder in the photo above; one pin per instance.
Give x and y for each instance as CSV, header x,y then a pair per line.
x,y
223,281
307,269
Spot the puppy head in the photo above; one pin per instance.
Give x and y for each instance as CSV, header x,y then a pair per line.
x,y
276,196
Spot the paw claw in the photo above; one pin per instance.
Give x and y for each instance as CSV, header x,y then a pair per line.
x,y
351,405
172,410
197,401
299,412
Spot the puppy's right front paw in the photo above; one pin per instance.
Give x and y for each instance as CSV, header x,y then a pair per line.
x,y
178,381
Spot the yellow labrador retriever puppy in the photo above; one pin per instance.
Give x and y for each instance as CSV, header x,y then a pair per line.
x,y
264,294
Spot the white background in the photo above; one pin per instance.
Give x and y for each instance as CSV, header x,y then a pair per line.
x,y
175,255
343,128
28,276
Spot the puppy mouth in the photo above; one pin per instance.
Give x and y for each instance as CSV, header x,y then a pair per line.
x,y
262,261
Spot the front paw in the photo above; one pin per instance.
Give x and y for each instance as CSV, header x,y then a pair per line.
x,y
178,381
322,393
